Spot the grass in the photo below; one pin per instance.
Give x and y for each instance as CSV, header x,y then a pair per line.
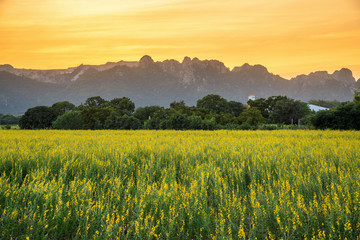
x,y
179,184
8,127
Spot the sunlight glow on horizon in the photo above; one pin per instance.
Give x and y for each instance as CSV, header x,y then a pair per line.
x,y
287,37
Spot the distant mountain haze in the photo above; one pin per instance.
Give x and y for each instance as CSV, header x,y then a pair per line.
x,y
147,82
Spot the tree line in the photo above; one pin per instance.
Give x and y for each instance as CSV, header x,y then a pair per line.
x,y
210,113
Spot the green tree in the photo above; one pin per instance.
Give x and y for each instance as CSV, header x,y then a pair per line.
x,y
61,107
178,105
123,105
96,101
195,123
261,104
236,108
344,116
37,118
181,107
94,117
69,120
323,119
357,96
251,116
288,111
122,122
213,103
177,121
225,118
325,103
8,119
145,113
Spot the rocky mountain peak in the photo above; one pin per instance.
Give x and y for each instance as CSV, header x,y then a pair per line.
x,y
344,75
257,68
146,61
186,61
6,67
171,66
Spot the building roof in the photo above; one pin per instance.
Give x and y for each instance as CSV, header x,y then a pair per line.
x,y
317,108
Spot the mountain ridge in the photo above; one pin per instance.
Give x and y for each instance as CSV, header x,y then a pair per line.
x,y
147,82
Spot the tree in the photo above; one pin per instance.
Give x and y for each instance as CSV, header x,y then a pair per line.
x,y
225,118
37,118
323,119
95,117
158,121
236,108
325,103
8,119
251,116
129,123
195,122
146,113
356,96
288,111
177,121
267,106
122,122
69,120
123,105
177,105
213,103
345,116
94,102
61,107
181,107
261,104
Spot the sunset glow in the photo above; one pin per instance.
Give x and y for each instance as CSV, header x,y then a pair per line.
x,y
289,37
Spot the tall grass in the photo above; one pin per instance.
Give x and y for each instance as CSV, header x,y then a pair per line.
x,y
179,184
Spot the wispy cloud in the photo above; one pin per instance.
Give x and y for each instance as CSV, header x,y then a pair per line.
x,y
281,34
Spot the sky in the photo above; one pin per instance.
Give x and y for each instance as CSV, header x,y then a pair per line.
x,y
289,37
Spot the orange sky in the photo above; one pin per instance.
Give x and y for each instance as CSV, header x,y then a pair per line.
x,y
289,37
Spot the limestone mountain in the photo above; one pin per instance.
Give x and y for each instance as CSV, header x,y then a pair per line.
x,y
147,82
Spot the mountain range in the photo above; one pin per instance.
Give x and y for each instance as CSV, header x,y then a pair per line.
x,y
147,82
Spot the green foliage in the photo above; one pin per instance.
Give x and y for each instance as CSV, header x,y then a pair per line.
x,y
251,116
37,118
176,121
94,117
8,119
280,109
325,103
178,105
245,126
236,108
69,120
62,107
323,119
213,103
195,123
146,113
115,121
225,118
262,105
288,111
94,102
181,107
123,105
345,116
357,96
6,127
212,112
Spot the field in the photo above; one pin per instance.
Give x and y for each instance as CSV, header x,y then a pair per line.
x,y
179,184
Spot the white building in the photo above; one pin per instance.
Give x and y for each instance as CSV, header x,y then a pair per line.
x,y
317,108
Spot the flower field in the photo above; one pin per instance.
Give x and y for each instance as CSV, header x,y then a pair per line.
x,y
179,184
